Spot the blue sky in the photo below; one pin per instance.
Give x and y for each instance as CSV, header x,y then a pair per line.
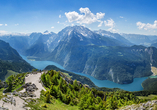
x,y
122,16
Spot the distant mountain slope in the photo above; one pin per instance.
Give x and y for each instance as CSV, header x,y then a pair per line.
x,y
82,50
150,84
138,39
114,36
154,43
118,64
36,44
41,46
20,43
25,42
11,60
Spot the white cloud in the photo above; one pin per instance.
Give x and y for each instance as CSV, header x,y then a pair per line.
x,y
6,24
140,25
60,16
16,24
85,16
1,24
121,16
100,24
2,32
112,30
72,24
58,22
52,27
147,26
109,23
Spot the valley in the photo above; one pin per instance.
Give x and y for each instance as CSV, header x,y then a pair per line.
x,y
60,93
100,54
134,86
78,55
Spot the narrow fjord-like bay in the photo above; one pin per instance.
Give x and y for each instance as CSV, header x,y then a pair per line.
x,y
135,86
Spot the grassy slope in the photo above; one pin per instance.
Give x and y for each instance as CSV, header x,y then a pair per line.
x,y
9,73
54,105
80,78
149,97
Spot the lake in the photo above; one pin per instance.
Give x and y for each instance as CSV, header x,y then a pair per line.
x,y
135,86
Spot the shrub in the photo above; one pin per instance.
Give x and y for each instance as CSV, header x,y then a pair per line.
x,y
44,105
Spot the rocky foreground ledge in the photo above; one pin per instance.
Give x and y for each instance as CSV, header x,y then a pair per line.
x,y
18,100
150,105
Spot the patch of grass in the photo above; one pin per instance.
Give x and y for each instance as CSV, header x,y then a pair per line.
x,y
67,75
1,93
149,97
18,87
10,72
155,107
55,104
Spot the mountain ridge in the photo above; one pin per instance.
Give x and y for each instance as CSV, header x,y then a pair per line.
x,y
79,49
11,60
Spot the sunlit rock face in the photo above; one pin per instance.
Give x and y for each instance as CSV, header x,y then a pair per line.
x,y
101,58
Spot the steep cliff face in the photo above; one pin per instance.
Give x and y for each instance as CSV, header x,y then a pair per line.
x,y
82,50
11,60
117,64
152,51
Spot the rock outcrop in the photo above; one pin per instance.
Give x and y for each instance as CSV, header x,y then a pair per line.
x,y
70,81
142,106
29,90
9,99
30,87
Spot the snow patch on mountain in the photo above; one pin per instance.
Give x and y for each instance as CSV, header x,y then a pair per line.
x,y
84,34
69,32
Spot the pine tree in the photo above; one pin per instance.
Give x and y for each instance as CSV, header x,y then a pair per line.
x,y
48,81
52,73
43,79
47,97
54,80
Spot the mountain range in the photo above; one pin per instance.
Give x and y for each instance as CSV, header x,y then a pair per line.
x,y
11,60
101,54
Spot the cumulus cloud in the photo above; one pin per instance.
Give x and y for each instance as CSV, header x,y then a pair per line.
x,y
6,24
147,26
60,16
84,17
58,22
100,24
109,23
1,24
52,27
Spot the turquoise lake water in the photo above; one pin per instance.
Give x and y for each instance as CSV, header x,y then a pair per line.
x,y
135,86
